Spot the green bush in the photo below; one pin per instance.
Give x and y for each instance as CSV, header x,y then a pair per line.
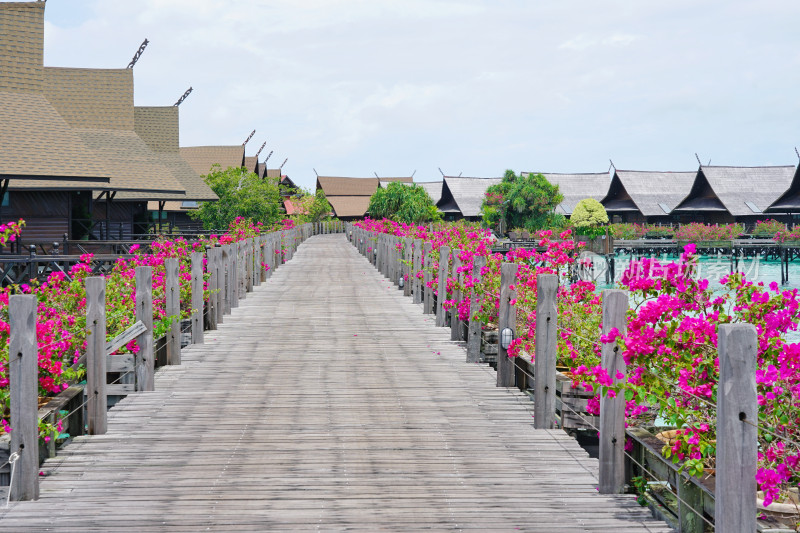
x,y
589,213
522,202
403,202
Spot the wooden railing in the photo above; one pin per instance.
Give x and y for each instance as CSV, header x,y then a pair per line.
x,y
233,269
730,506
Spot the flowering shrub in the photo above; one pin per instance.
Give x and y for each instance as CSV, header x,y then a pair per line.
x,y
769,228
670,347
697,232
628,231
61,326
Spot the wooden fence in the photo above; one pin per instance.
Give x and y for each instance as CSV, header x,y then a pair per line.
x,y
233,270
406,262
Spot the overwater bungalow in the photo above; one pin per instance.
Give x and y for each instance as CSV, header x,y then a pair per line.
x,y
462,197
647,196
724,195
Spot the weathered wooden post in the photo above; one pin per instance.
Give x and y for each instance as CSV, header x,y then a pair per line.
x,y
173,309
197,298
144,360
737,441
23,387
250,250
233,275
212,286
507,319
444,258
455,323
427,277
408,254
219,296
475,326
242,245
417,268
227,263
96,394
544,387
264,258
612,410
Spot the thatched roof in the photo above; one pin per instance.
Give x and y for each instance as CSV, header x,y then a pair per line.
x,y
464,195
349,206
650,193
261,170
159,129
335,186
433,188
383,182
202,158
577,187
98,104
741,191
37,143
273,173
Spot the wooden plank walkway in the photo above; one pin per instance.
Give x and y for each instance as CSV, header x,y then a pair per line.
x,y
327,401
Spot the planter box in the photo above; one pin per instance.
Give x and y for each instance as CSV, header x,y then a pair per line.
x,y
73,426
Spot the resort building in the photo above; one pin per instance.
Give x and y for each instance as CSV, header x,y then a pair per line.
x,y
647,196
723,195
349,197
461,197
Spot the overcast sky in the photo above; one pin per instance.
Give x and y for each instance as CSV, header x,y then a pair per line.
x,y
352,87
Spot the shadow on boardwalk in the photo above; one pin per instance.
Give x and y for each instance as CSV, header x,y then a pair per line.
x,y
327,401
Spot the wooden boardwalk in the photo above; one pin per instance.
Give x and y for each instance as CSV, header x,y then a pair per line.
x,y
326,401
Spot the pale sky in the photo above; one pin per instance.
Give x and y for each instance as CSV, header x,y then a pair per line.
x,y
352,87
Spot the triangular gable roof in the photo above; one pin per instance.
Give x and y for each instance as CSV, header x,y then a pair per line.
x,y
286,181
273,173
337,186
576,187
433,188
159,127
261,170
349,206
98,104
202,158
789,201
251,163
649,192
37,143
464,195
741,191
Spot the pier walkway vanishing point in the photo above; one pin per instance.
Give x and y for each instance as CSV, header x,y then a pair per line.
x,y
326,401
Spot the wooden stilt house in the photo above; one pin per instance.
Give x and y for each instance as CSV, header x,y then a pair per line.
x,y
646,196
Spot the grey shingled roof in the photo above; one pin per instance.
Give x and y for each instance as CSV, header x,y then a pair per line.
x,y
577,187
789,201
467,193
735,187
338,186
649,189
202,158
98,104
433,188
159,129
36,143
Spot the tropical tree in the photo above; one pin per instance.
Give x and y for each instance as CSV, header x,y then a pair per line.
x,y
589,213
526,201
311,207
241,194
403,202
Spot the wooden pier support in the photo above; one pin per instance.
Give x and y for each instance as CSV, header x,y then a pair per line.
x,y
507,319
544,390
